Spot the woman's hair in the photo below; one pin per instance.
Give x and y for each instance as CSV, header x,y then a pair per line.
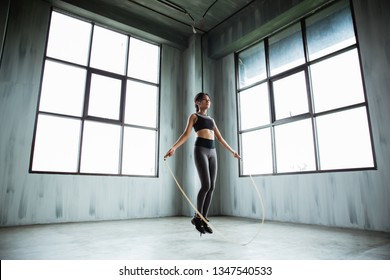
x,y
198,98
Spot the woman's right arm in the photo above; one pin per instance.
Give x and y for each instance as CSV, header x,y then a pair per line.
x,y
184,137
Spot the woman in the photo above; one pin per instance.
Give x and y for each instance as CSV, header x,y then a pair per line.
x,y
205,155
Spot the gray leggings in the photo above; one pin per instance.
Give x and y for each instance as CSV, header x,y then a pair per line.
x,y
207,166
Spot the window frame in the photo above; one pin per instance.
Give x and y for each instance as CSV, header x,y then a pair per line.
x,y
85,115
311,114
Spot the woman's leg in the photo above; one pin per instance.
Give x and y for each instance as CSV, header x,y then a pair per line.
x,y
202,166
206,164
213,169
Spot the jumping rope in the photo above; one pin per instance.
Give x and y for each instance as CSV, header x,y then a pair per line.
x,y
207,222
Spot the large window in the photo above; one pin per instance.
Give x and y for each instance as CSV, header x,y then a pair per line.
x,y
98,107
302,104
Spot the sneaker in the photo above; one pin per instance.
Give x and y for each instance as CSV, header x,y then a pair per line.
x,y
198,223
206,227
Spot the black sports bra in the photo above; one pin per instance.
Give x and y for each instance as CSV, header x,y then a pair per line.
x,y
203,122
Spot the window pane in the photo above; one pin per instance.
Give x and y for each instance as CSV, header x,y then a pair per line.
x,y
57,142
295,147
100,150
251,65
143,61
257,152
63,89
254,103
109,50
141,104
139,152
337,82
286,50
330,30
87,100
290,96
105,97
344,140
69,39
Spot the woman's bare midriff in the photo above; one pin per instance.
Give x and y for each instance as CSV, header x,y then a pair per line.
x,y
205,133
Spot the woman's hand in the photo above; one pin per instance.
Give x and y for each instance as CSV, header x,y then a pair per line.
x,y
236,155
169,153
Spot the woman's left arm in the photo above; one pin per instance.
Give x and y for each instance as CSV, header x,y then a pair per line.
x,y
224,143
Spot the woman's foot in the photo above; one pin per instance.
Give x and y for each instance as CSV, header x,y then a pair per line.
x,y
206,227
198,223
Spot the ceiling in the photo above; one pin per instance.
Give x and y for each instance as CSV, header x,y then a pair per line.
x,y
181,15
174,22
168,21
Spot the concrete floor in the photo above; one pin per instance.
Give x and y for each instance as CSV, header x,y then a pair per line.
x,y
175,238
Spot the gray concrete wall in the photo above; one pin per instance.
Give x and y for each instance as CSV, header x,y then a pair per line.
x,y
342,199
4,8
192,80
33,198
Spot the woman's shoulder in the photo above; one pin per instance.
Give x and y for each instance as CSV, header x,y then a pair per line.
x,y
193,117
